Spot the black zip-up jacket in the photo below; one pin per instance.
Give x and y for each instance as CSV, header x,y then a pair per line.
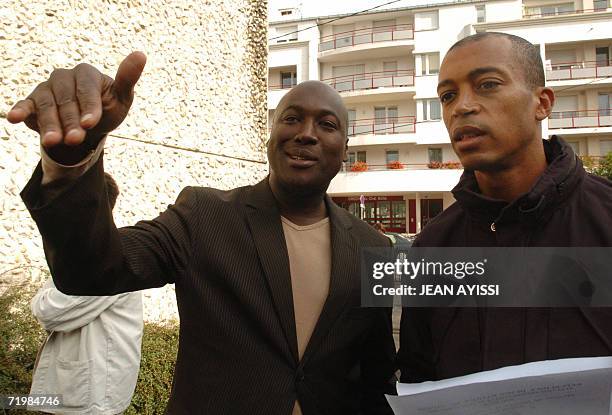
x,y
566,207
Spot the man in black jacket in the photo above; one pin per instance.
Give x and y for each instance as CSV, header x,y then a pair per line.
x,y
266,276
516,190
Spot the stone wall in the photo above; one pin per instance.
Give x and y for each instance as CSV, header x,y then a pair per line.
x,y
199,116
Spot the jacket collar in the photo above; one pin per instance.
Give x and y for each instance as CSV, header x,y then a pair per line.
x,y
563,174
263,218
261,197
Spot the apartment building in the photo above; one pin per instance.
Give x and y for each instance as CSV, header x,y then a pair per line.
x,y
401,165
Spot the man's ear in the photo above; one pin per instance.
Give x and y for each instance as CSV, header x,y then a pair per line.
x,y
546,101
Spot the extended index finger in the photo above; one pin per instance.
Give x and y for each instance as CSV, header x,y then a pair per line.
x,y
128,74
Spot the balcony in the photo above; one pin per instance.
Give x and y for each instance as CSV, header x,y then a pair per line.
x,y
559,12
287,86
383,180
579,70
372,126
372,80
276,93
580,119
365,36
359,166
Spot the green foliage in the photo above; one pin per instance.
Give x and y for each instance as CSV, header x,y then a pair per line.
x,y
21,336
604,168
159,348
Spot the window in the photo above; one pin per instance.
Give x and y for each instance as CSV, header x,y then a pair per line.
x,y
600,5
481,15
390,67
392,155
383,25
286,12
550,10
352,114
605,147
602,56
431,110
354,156
605,104
288,79
392,114
434,154
385,115
426,20
348,71
565,107
286,34
344,77
430,63
343,35
562,59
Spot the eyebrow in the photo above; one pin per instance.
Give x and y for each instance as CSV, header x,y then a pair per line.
x,y
474,73
322,112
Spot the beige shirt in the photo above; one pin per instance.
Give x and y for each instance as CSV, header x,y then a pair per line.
x,y
309,249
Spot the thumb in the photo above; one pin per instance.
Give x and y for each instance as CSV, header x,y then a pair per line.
x,y
128,74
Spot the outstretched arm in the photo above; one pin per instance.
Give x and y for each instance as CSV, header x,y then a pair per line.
x,y
72,112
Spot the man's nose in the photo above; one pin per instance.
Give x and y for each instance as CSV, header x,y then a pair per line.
x,y
307,133
466,103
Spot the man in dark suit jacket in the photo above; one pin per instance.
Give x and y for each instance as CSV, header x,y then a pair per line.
x,y
266,276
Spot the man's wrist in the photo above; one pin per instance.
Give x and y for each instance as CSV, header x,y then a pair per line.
x,y
73,155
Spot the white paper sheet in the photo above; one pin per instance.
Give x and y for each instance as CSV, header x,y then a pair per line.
x,y
562,387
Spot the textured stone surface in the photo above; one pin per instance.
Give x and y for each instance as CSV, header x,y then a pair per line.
x,y
201,98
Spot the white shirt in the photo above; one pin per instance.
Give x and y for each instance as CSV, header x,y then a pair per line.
x,y
92,355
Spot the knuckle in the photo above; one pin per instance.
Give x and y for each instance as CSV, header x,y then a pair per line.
x,y
81,66
86,92
58,72
44,104
64,100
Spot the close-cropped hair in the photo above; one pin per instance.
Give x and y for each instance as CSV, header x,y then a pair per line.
x,y
527,55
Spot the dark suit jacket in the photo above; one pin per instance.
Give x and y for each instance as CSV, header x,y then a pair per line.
x,y
226,254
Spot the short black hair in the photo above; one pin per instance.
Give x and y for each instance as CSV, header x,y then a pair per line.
x,y
527,54
112,190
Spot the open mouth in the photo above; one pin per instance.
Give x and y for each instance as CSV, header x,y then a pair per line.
x,y
468,138
467,133
301,159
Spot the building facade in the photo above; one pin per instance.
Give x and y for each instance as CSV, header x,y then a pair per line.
x,y
385,64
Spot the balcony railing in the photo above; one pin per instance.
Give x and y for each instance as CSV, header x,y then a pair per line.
x,y
390,125
581,119
359,166
371,80
579,70
363,36
527,15
274,87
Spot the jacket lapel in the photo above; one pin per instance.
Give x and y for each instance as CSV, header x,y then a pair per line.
x,y
267,231
345,268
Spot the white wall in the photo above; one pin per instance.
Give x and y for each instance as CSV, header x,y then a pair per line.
x,y
200,100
